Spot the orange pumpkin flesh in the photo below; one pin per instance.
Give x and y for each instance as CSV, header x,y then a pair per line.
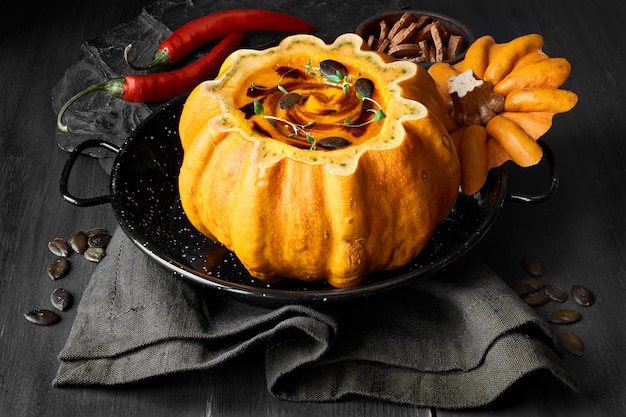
x,y
286,210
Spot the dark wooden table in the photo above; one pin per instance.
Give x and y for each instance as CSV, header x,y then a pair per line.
x,y
580,234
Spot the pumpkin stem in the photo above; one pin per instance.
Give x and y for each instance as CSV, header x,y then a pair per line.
x,y
473,100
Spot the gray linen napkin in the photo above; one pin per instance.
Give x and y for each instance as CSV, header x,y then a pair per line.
x,y
457,340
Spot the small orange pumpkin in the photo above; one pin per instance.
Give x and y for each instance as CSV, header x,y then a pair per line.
x,y
509,95
262,184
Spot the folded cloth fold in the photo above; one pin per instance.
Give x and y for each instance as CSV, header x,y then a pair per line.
x,y
456,340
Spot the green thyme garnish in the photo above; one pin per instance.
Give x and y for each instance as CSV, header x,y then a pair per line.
x,y
259,110
334,72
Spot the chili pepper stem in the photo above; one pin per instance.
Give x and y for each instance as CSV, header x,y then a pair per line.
x,y
161,57
114,87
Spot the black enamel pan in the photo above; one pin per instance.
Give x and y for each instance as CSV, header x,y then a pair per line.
x,y
144,196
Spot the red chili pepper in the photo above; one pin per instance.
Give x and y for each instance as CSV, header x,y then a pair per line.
x,y
143,88
215,25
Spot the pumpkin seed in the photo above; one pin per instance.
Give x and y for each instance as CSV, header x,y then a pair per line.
x,y
289,100
79,242
330,68
61,299
533,283
364,86
520,288
94,254
42,317
564,316
96,231
59,247
572,343
99,240
58,268
333,142
555,293
582,295
536,298
533,266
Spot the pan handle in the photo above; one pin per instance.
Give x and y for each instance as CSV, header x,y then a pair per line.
x,y
554,182
93,201
67,169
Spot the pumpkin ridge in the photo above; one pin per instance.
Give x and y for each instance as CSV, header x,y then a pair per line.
x,y
348,216
335,215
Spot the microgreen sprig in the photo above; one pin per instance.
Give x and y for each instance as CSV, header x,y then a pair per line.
x,y
308,69
259,110
344,81
379,114
253,86
340,78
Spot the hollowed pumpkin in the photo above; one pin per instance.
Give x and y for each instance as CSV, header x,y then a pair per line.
x,y
290,208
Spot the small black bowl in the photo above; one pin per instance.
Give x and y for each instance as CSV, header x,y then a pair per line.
x,y
371,26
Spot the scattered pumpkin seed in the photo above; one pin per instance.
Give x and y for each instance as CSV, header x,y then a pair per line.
x,y
535,294
79,242
99,240
564,316
572,343
96,230
555,293
61,299
521,288
582,295
533,283
59,247
536,298
58,268
42,317
94,254
533,266
364,86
